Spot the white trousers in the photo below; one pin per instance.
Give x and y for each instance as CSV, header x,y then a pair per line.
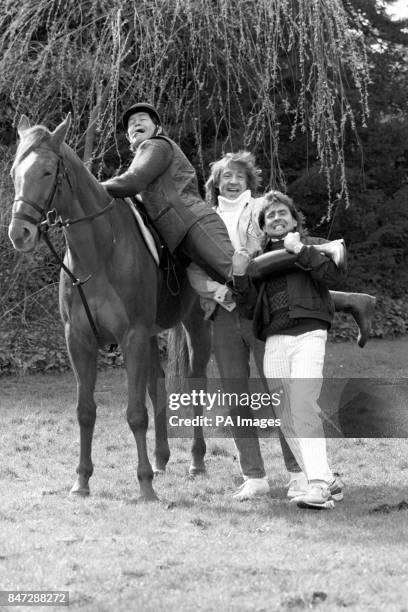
x,y
297,361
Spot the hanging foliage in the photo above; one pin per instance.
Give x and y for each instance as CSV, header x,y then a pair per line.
x,y
226,73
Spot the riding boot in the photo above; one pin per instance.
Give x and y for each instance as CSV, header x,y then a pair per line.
x,y
361,306
281,262
271,264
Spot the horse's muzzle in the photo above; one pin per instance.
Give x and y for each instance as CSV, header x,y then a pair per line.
x,y
23,235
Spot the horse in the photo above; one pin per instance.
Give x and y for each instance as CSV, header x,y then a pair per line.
x,y
111,292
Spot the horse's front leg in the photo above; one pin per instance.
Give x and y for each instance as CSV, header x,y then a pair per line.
x,y
199,346
157,392
83,359
136,351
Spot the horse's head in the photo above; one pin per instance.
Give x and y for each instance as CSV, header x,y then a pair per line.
x,y
35,174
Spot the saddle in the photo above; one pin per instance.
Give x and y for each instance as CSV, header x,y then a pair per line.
x,y
172,267
150,236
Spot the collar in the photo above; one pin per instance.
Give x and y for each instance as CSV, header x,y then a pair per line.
x,y
226,205
273,244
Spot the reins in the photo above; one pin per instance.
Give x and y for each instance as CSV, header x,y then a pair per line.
x,y
76,282
55,221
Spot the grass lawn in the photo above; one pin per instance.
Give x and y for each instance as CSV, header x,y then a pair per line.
x,y
196,549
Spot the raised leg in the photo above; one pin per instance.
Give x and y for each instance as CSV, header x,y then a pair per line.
x,y
157,392
83,360
361,306
136,351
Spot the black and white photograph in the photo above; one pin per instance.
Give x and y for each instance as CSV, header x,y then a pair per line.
x,y
204,305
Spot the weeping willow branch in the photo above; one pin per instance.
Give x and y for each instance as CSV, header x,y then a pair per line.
x,y
225,73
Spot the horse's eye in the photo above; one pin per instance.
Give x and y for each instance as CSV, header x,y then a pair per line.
x,y
47,173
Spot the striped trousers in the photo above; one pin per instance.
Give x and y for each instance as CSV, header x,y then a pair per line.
x,y
294,364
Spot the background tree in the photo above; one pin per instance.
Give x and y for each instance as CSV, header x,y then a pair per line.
x,y
286,78
218,70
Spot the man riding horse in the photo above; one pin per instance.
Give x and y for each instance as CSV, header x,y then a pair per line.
x,y
166,183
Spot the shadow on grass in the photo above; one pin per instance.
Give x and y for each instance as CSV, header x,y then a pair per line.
x,y
360,502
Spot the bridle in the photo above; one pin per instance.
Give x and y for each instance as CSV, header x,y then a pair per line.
x,y
50,219
43,210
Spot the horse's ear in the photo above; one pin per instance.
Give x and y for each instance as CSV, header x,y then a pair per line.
x,y
23,124
58,135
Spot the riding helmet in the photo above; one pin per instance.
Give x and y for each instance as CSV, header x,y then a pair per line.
x,y
140,107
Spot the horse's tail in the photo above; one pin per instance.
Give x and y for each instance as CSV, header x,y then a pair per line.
x,y
177,358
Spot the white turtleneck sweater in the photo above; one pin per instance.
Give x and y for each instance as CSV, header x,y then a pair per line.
x,y
230,212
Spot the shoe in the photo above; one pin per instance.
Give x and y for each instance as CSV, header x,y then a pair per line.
x,y
316,496
297,485
252,487
336,489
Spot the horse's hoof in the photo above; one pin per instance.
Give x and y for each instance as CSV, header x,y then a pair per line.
x,y
74,492
80,488
148,497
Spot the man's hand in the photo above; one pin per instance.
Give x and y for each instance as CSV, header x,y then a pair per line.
x,y
223,294
292,242
208,306
240,262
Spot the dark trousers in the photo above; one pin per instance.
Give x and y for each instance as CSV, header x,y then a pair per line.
x,y
233,341
207,244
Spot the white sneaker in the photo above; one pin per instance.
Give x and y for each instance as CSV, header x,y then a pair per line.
x,y
336,488
297,485
317,495
252,487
